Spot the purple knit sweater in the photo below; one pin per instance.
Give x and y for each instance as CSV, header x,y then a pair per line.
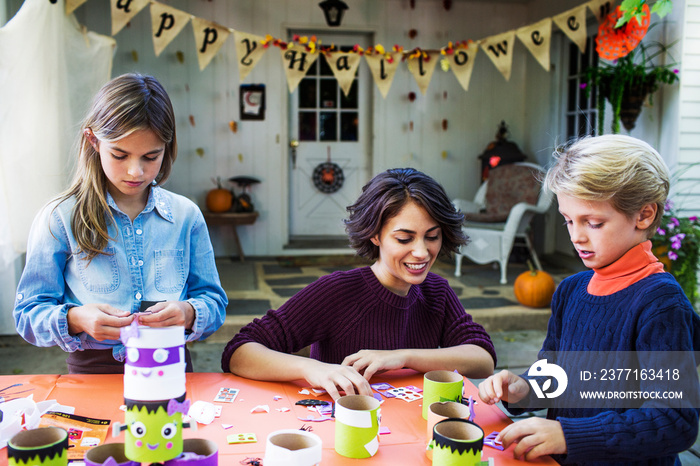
x,y
345,312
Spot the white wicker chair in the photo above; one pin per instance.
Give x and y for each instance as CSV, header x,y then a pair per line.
x,y
492,241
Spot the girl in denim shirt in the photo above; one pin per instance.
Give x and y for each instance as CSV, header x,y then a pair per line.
x,y
116,238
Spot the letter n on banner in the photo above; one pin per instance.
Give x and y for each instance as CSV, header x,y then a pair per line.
x,y
537,38
166,24
297,61
573,23
208,37
462,63
123,11
250,50
344,66
383,68
499,48
422,68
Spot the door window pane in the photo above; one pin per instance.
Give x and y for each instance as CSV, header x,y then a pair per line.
x,y
329,93
307,126
348,126
351,100
307,93
329,126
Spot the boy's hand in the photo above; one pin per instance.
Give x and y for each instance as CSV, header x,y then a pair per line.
x,y
504,386
534,437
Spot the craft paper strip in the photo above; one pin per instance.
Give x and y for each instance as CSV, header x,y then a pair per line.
x,y
355,437
297,61
462,63
600,8
422,68
166,24
383,68
292,447
208,37
499,49
344,66
250,50
72,5
123,11
537,38
573,23
353,418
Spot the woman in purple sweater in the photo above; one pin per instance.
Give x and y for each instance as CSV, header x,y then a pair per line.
x,y
393,314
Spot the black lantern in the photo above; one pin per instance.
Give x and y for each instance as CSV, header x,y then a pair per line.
x,y
333,11
500,152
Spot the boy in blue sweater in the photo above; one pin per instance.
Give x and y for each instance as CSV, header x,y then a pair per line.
x,y
611,191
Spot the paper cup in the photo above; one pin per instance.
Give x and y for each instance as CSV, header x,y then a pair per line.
x,y
97,456
441,410
196,452
457,442
290,447
46,446
441,386
357,419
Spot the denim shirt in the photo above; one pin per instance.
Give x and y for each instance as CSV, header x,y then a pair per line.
x,y
165,254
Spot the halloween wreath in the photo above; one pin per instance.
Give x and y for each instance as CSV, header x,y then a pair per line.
x,y
328,177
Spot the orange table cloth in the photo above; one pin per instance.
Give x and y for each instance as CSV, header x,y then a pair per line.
x,y
99,396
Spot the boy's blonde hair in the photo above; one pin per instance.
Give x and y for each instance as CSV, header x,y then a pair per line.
x,y
623,170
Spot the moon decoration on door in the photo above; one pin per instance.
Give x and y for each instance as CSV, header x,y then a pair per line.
x,y
328,177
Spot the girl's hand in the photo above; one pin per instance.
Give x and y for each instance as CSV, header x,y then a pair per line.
x,y
534,437
335,378
369,362
504,386
100,321
168,314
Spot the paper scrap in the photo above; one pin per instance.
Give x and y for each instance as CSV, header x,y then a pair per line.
x,y
226,395
315,419
241,438
276,397
383,430
260,409
226,426
304,391
282,410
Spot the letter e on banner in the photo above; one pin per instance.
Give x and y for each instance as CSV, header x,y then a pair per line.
x,y
573,24
537,39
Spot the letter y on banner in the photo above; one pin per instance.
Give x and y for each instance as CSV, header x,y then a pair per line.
x,y
208,37
166,23
250,50
123,11
499,48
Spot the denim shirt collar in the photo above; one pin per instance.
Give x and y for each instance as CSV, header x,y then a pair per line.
x,y
156,200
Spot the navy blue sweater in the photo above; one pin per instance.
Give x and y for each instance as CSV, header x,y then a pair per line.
x,y
651,315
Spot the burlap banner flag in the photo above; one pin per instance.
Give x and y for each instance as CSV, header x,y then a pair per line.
x,y
573,23
250,50
499,49
462,63
166,24
344,66
72,5
123,11
297,61
600,8
383,69
208,37
537,38
422,68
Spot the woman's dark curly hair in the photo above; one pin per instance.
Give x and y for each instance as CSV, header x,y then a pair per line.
x,y
384,197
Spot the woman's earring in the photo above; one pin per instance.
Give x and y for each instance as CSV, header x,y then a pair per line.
x,y
90,136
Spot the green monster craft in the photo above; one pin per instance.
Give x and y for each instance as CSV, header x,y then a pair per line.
x,y
45,446
457,442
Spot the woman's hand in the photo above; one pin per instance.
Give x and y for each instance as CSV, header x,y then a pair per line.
x,y
504,386
100,321
534,437
168,314
369,362
335,378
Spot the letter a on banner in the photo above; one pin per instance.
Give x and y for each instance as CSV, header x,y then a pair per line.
x,y
344,66
499,48
422,68
208,37
297,61
573,23
250,50
166,23
600,8
123,11
537,38
383,68
462,63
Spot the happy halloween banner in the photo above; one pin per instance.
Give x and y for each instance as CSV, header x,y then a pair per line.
x,y
299,54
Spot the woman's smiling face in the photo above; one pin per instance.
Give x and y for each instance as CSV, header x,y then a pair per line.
x,y
408,245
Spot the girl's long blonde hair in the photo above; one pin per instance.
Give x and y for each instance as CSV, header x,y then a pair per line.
x,y
127,103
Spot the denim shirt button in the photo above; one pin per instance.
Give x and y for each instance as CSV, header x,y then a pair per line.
x,y
138,295
20,296
140,263
139,231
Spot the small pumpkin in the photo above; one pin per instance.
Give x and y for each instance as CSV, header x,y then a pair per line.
x,y
534,288
219,199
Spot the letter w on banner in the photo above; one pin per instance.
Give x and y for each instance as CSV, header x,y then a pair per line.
x,y
250,50
297,61
537,37
123,11
573,23
166,23
208,37
344,66
499,48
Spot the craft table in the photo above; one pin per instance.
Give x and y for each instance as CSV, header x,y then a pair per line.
x,y
99,396
232,219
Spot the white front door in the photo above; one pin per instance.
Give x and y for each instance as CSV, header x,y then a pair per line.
x,y
329,127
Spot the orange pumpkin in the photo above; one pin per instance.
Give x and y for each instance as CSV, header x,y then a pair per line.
x,y
534,288
219,200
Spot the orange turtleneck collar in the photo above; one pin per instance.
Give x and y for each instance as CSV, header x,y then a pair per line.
x,y
637,263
